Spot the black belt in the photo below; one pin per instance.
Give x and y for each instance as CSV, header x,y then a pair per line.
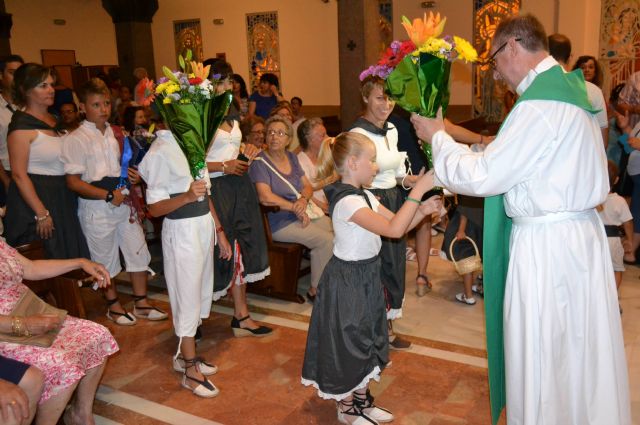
x,y
612,231
106,183
192,209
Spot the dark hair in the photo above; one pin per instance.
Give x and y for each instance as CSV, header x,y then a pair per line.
x,y
129,117
27,77
93,86
560,47
304,129
597,77
527,28
614,97
221,67
10,58
296,98
75,107
614,172
243,86
247,124
270,78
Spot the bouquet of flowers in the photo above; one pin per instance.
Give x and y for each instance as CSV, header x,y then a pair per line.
x,y
416,71
192,110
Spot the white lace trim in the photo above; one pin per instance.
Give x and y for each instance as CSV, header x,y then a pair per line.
x,y
375,375
394,313
254,277
221,293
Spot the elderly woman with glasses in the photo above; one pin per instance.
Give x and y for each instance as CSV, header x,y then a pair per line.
x,y
276,172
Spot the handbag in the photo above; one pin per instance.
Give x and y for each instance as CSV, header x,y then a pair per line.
x,y
313,211
30,304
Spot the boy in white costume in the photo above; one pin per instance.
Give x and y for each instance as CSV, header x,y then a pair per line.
x,y
563,348
188,238
91,157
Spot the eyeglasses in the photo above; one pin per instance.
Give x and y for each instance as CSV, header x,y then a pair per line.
x,y
492,59
258,132
280,133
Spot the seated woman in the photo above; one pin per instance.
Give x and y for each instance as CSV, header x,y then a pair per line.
x,y
276,172
78,355
253,132
311,134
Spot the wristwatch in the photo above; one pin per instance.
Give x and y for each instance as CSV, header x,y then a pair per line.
x,y
109,197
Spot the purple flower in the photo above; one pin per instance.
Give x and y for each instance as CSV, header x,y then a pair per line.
x,y
162,80
216,77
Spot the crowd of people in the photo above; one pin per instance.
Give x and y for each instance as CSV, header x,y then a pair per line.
x,y
350,200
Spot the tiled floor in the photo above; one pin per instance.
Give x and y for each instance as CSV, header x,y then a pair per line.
x,y
441,380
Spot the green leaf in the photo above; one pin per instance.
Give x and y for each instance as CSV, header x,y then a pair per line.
x,y
181,62
189,55
167,73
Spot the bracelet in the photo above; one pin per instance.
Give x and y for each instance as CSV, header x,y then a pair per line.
x,y
43,218
481,140
224,165
19,327
219,229
410,199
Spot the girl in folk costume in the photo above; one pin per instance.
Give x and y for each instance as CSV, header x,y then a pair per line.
x,y
236,202
391,174
348,342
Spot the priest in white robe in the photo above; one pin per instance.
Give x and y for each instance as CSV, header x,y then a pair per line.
x,y
563,348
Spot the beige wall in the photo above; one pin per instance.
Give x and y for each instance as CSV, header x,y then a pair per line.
x,y
308,32
89,30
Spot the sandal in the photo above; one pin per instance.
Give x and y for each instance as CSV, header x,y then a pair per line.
x,y
149,313
478,290
377,413
353,414
423,288
205,388
410,254
461,297
123,319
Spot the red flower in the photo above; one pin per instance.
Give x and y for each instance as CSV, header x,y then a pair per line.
x,y
195,81
392,57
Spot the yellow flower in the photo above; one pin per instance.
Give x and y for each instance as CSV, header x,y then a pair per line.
x,y
465,49
421,30
435,45
166,100
171,88
161,87
199,70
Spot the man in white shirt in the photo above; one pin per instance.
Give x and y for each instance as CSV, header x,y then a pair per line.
x,y
563,349
560,49
7,68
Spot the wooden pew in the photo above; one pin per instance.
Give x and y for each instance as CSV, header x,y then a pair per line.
x,y
60,291
284,260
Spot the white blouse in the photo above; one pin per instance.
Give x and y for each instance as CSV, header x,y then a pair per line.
x,y
391,162
225,146
352,242
44,155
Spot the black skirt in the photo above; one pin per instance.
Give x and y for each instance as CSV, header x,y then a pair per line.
x,y
67,241
393,253
238,209
348,341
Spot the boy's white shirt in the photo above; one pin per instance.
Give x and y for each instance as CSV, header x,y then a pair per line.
x,y
90,153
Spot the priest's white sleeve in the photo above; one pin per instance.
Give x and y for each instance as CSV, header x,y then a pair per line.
x,y
510,159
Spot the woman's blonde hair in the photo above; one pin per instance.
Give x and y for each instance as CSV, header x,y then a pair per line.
x,y
335,152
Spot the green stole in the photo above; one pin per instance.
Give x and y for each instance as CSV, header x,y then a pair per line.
x,y
556,85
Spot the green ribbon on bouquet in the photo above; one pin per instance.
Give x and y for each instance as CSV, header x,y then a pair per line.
x,y
194,125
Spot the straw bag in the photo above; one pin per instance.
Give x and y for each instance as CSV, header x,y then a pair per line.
x,y
469,264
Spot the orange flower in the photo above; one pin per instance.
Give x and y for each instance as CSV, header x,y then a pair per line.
x,y
199,70
423,29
